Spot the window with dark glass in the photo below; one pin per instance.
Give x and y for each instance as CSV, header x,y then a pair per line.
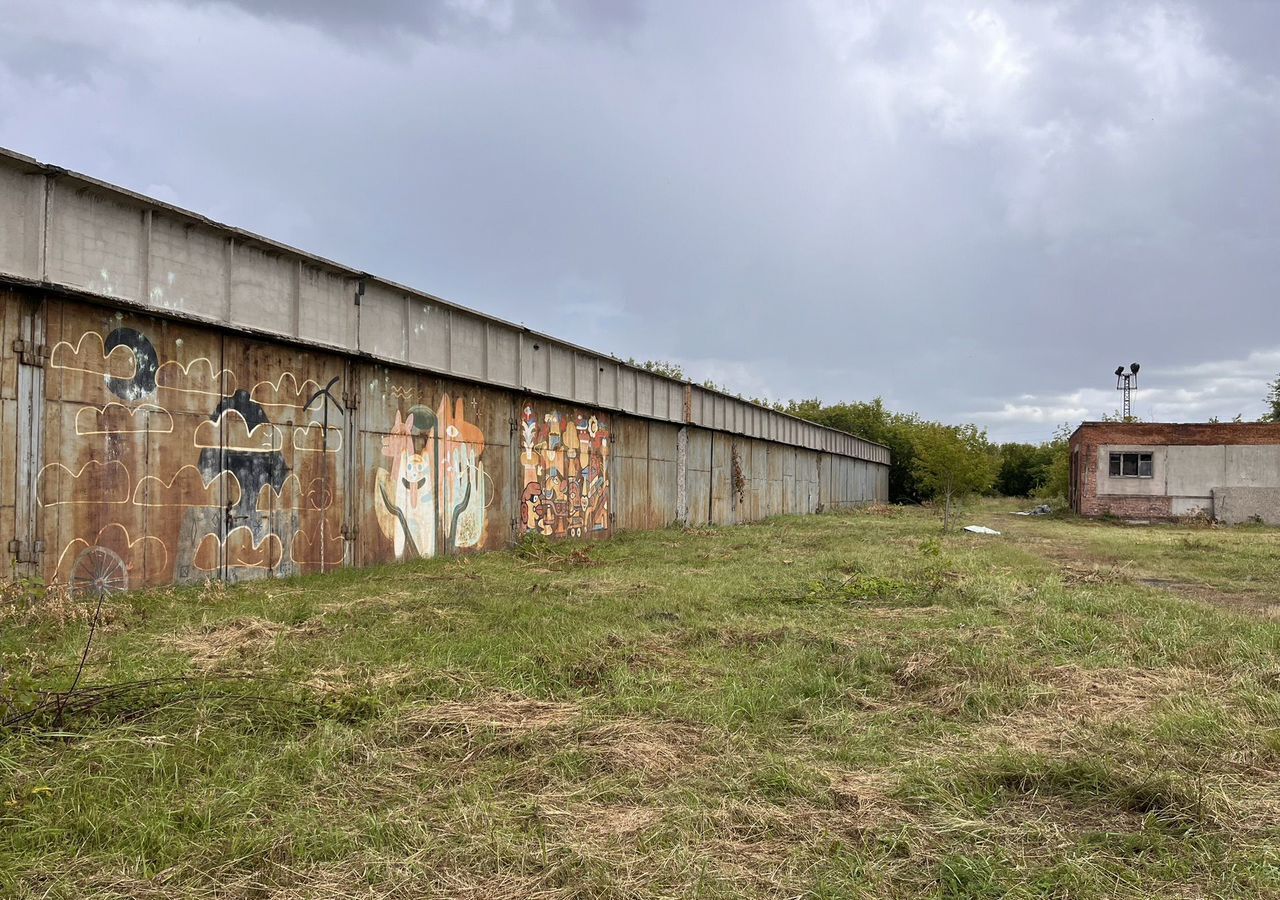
x,y
1131,465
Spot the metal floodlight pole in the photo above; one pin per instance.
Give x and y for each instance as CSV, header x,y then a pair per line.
x,y
1127,381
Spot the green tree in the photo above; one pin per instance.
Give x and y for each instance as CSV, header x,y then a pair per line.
x,y
873,422
953,462
1057,482
660,367
1272,401
1024,468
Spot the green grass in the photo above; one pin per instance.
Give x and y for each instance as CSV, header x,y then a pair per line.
x,y
833,706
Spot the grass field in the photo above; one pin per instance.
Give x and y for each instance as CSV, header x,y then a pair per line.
x,y
835,706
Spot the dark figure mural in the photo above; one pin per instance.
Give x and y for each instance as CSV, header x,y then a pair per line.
x,y
140,489
244,442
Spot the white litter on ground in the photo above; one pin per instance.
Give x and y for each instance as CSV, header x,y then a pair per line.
x,y
980,529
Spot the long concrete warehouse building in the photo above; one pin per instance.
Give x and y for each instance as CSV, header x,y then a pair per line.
x,y
181,400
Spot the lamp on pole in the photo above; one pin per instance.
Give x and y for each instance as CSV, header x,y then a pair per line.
x,y
1126,381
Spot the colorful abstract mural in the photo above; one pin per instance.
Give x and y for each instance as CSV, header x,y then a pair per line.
x,y
564,461
433,482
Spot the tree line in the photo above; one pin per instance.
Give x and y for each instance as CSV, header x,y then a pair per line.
x,y
944,464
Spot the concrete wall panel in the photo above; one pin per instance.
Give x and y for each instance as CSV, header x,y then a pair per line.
x,y
264,290
187,269
95,242
1238,505
383,331
428,334
22,212
503,357
468,344
609,376
80,233
1257,466
327,310
560,382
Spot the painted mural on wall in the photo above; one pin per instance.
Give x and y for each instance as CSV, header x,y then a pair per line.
x,y
564,461
432,481
175,471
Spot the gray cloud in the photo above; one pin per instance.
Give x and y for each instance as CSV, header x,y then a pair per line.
x,y
448,19
973,211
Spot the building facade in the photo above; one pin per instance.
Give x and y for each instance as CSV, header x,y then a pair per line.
x,y
181,400
1154,471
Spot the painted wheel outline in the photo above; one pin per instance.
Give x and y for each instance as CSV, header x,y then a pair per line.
x,y
98,570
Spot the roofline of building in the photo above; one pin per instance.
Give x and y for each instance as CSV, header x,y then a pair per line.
x,y
245,237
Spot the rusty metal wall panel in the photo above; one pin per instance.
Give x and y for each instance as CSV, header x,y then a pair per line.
x,y
725,460
10,472
432,467
175,452
835,481
565,464
283,436
663,474
631,493
758,480
182,454
777,504
120,491
631,484
824,480
698,476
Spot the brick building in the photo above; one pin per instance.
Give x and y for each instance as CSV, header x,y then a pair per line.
x,y
1139,470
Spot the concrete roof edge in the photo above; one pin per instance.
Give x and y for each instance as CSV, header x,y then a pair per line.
x,y
36,166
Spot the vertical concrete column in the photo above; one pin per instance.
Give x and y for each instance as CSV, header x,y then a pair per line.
x,y
682,475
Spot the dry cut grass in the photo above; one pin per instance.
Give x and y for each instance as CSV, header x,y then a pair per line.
x,y
837,706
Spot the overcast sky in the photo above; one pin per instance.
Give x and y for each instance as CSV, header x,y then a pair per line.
x,y
975,210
